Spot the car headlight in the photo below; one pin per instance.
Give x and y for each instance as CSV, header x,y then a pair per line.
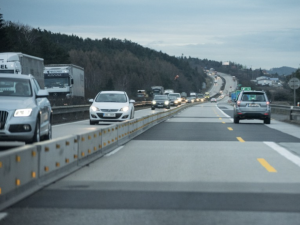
x,y
22,112
167,102
94,108
175,101
153,102
125,109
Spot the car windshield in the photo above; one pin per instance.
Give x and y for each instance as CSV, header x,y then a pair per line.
x,y
258,97
175,95
111,97
15,87
160,97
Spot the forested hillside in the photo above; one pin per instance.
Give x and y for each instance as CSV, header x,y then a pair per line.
x,y
109,64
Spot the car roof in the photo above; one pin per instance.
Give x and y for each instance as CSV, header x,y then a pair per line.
x,y
253,91
113,92
12,75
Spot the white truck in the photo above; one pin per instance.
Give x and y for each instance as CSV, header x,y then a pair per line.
x,y
64,80
19,63
168,91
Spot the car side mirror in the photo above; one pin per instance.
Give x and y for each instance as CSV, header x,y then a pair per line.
x,y
131,101
91,100
42,93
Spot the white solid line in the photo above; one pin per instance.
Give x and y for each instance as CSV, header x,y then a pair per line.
x,y
282,151
2,215
114,151
224,113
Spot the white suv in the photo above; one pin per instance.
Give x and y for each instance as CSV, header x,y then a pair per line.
x,y
111,106
25,112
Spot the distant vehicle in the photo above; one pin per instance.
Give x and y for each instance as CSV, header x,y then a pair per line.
x,y
192,94
190,99
178,97
173,101
111,106
183,94
233,78
201,97
142,94
252,105
25,112
160,101
157,90
213,100
206,95
65,80
168,91
19,63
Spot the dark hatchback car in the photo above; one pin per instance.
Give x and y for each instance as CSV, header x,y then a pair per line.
x,y
160,101
252,105
173,101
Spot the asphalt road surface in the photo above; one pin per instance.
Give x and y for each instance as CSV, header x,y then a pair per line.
x,y
195,168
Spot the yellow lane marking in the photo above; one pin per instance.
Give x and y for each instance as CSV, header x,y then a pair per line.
x,y
220,118
265,164
223,122
240,139
229,128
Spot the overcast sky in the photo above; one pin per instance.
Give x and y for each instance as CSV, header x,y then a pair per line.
x,y
255,33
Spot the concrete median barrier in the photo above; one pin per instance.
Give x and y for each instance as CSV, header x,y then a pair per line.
x,y
56,156
89,146
109,138
123,133
18,174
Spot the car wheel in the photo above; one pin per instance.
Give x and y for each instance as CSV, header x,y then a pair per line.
x,y
236,120
93,122
267,121
49,135
152,108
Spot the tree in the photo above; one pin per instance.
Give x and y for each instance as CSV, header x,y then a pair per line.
x,y
4,42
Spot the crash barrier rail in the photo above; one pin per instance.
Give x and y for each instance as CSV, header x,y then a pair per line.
x,y
26,169
292,112
63,114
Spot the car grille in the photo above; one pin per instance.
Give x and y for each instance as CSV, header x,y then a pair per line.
x,y
116,117
109,110
3,117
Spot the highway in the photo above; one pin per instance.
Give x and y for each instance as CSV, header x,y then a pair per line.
x,y
197,167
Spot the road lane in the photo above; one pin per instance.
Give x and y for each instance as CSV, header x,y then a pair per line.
x,y
190,163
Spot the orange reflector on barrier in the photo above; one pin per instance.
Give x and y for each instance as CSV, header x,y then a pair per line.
x,y
33,174
18,158
18,182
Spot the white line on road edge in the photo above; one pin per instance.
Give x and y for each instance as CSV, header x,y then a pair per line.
x,y
114,151
2,215
224,113
282,151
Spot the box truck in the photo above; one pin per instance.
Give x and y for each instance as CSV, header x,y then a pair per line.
x,y
64,80
19,63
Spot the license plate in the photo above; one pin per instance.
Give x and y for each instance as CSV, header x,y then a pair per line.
x,y
109,115
253,105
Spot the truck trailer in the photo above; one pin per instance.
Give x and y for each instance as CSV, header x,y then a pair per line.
x,y
19,63
64,80
157,90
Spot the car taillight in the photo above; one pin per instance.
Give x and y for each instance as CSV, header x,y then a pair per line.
x,y
238,103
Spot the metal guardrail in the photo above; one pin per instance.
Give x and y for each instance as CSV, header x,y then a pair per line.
x,y
292,112
62,114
